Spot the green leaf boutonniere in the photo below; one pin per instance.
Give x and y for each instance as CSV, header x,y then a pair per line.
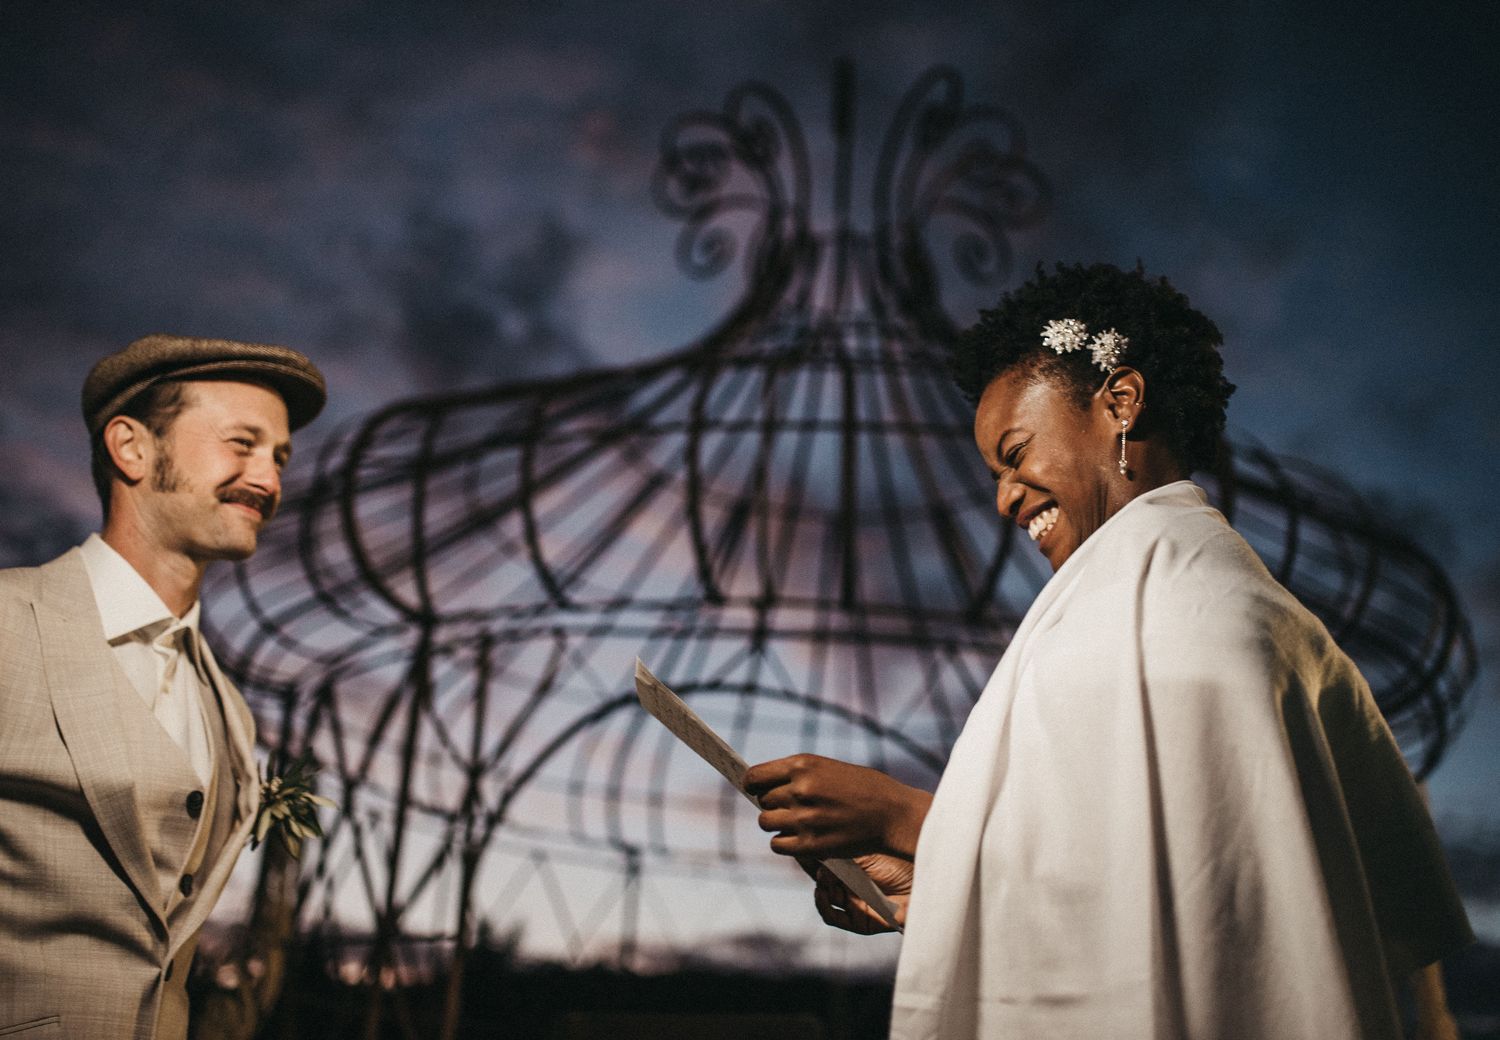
x,y
288,808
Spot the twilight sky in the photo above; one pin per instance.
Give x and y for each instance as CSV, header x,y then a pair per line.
x,y
425,196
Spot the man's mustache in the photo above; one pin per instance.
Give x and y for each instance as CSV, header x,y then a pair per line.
x,y
263,504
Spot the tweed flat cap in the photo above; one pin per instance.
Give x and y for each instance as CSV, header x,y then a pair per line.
x,y
151,359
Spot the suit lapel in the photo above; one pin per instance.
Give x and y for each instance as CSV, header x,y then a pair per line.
x,y
86,686
239,729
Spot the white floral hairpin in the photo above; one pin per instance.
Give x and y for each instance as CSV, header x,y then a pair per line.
x,y
1068,334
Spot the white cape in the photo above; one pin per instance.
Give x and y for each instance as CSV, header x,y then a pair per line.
x,y
1174,812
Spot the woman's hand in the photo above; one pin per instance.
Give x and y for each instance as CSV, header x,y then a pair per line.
x,y
839,907
821,808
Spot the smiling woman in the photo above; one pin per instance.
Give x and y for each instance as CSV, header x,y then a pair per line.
x,y
1062,418
1175,810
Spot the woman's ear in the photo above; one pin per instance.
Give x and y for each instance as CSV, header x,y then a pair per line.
x,y
126,440
1124,395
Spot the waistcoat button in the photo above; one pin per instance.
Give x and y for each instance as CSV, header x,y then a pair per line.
x,y
186,884
195,804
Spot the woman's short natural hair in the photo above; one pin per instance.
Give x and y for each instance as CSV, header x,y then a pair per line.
x,y
1173,346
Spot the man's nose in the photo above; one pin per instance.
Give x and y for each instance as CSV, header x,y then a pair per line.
x,y
1008,495
264,475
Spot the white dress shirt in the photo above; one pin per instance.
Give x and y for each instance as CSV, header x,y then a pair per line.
x,y
159,652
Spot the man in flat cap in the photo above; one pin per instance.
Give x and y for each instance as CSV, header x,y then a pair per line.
x,y
127,783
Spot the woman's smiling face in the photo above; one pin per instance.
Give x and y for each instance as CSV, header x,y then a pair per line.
x,y
1055,463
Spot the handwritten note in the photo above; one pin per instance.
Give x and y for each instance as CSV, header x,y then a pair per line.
x,y
684,723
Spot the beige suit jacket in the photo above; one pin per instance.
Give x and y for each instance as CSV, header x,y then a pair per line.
x,y
97,925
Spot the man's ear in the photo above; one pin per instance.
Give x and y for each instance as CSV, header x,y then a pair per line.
x,y
1124,395
131,447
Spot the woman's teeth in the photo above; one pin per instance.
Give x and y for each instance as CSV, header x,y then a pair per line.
x,y
1042,523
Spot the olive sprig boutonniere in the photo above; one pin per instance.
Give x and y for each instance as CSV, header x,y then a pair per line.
x,y
288,807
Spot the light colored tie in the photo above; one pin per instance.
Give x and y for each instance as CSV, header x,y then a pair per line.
x,y
176,705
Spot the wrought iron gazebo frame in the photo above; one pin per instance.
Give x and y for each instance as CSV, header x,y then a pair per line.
x,y
788,500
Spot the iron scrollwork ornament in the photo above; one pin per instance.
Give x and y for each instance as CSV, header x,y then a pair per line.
x,y
749,159
945,159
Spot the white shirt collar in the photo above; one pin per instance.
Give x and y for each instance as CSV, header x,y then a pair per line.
x,y
127,603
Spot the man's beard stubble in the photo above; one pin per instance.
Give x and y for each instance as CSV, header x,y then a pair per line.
x,y
164,476
167,479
